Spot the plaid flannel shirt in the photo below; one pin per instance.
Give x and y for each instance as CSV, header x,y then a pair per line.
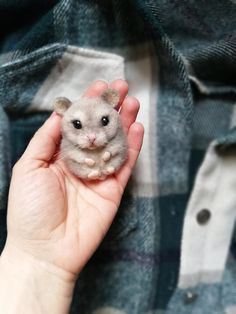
x,y
172,246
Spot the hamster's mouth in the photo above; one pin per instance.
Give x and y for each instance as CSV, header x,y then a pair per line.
x,y
94,146
91,146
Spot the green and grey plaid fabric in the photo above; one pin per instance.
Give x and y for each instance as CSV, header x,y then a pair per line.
x,y
172,247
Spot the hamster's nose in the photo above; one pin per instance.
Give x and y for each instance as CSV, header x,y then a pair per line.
x,y
91,137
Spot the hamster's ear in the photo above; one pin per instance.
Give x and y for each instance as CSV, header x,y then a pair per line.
x,y
61,104
111,96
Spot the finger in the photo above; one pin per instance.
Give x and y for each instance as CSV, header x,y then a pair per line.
x,y
129,111
44,143
135,140
122,87
96,89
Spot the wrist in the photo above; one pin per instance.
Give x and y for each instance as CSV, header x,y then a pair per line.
x,y
27,284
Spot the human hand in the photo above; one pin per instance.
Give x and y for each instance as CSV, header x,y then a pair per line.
x,y
53,216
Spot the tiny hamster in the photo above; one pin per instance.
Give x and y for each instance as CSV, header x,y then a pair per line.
x,y
93,144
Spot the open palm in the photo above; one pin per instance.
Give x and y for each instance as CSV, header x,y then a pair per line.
x,y
53,215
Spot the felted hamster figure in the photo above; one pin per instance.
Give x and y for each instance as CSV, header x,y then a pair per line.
x,y
93,142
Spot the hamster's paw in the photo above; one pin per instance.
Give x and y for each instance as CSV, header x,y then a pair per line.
x,y
108,171
95,174
102,177
106,156
89,162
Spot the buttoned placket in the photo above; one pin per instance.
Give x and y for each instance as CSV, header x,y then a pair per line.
x,y
208,225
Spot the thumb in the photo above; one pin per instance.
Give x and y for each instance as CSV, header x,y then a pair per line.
x,y
44,143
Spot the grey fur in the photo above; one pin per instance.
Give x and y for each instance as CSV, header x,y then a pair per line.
x,y
84,160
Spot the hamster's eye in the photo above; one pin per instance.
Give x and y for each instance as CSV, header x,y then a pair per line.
x,y
77,124
105,120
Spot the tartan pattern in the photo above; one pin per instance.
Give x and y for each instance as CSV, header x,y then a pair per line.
x,y
136,269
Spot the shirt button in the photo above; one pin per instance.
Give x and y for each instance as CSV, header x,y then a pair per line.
x,y
203,216
190,297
